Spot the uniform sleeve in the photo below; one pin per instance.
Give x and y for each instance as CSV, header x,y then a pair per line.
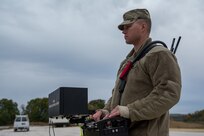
x,y
164,73
107,105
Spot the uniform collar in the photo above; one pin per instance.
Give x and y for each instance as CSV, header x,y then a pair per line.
x,y
132,53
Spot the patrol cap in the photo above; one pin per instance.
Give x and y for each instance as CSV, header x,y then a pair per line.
x,y
133,15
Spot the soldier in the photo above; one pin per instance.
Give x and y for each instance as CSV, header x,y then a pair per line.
x,y
153,84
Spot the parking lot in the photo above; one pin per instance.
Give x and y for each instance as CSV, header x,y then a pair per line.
x,y
43,131
75,131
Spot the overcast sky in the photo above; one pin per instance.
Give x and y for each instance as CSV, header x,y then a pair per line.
x,y
46,44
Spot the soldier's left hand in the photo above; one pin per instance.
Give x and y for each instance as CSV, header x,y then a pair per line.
x,y
115,112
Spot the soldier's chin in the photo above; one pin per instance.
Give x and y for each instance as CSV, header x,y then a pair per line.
x,y
128,42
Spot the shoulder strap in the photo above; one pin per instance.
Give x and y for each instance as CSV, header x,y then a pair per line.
x,y
129,64
144,51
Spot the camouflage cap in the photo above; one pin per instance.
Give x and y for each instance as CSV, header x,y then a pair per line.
x,y
133,15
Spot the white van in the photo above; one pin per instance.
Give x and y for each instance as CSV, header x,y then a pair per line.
x,y
21,122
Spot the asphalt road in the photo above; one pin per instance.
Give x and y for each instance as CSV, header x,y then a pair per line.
x,y
43,131
75,131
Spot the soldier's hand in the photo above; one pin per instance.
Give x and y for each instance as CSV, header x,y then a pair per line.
x,y
96,116
115,112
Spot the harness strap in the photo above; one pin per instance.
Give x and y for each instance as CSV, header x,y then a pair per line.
x,y
130,64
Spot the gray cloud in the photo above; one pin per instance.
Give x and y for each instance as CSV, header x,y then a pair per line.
x,y
46,44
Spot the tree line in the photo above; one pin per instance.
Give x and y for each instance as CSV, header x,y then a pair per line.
x,y
36,109
195,117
